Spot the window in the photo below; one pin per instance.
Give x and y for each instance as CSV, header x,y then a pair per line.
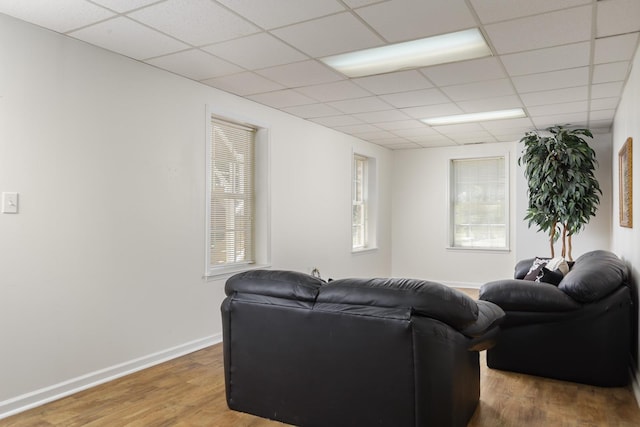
x,y
359,203
232,194
363,203
479,204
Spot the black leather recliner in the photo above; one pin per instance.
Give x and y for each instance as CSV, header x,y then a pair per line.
x,y
577,331
353,352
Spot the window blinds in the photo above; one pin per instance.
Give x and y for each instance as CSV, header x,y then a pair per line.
x,y
232,193
479,202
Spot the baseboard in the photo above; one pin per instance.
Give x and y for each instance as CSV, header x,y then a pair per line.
x,y
48,394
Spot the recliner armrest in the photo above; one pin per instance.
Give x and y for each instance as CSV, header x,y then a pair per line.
x,y
525,295
484,331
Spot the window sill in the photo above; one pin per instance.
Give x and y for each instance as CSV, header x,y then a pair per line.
x,y
484,250
363,250
226,272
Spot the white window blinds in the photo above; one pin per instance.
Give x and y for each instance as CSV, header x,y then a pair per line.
x,y
232,194
479,203
359,238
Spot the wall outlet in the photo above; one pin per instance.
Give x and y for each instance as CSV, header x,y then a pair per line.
x,y
9,202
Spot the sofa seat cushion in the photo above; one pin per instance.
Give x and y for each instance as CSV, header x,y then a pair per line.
x,y
425,298
524,295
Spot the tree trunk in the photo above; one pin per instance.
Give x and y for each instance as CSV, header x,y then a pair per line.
x,y
569,256
563,254
551,239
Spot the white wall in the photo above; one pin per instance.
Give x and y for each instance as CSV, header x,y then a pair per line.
x,y
102,270
419,218
626,241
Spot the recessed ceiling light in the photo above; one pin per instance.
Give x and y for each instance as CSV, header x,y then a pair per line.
x,y
476,117
458,46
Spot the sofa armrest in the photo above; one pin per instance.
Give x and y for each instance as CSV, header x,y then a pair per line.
x,y
525,295
484,331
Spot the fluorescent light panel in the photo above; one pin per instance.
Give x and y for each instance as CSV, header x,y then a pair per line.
x,y
476,117
458,46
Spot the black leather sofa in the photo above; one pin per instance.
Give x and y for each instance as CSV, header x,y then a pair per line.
x,y
577,331
353,352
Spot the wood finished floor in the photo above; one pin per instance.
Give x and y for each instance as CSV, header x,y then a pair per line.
x,y
189,391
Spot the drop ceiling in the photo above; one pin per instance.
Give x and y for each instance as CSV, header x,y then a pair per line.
x,y
562,61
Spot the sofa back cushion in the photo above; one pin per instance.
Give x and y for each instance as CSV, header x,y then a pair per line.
x,y
593,276
275,283
425,298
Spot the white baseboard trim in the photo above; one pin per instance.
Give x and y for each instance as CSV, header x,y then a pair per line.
x,y
54,392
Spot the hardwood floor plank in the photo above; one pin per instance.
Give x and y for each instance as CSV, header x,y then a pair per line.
x,y
189,391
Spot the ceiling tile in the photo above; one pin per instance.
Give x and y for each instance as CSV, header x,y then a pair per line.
x,y
242,84
415,98
356,128
606,90
360,3
432,141
60,15
305,73
488,104
400,81
547,30
340,33
361,105
197,22
401,125
617,17
568,107
479,90
282,98
604,104
610,72
494,126
615,48
416,132
400,20
555,96
376,135
549,59
122,6
459,128
552,80
277,13
256,51
341,120
572,119
433,111
129,38
336,91
195,64
465,72
500,10
399,145
602,115
381,116
509,136
312,110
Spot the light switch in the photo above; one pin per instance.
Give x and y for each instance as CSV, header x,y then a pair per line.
x,y
9,202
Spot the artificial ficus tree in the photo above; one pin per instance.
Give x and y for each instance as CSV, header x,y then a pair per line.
x,y
563,191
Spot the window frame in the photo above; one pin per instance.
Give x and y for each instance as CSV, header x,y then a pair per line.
x,y
369,202
262,194
451,200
